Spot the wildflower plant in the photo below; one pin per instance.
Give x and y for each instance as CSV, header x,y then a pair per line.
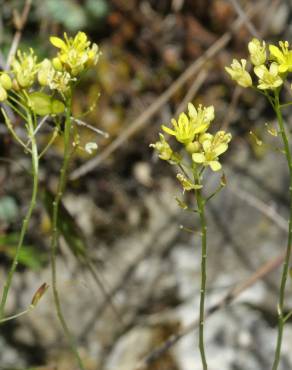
x,y
272,67
199,150
37,90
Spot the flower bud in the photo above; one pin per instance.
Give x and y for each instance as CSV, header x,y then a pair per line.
x,y
38,294
258,54
45,72
193,147
5,81
57,64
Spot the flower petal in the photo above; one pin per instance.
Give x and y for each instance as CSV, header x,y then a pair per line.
x,y
168,130
199,157
215,165
57,42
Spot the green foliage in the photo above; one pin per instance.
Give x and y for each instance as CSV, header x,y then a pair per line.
x,y
66,225
29,256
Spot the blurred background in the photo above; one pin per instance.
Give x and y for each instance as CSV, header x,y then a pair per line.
x,y
120,203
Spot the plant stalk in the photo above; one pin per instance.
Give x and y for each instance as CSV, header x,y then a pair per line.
x,y
26,220
281,318
55,231
201,210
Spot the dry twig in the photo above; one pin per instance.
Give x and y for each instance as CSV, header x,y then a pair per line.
x,y
19,23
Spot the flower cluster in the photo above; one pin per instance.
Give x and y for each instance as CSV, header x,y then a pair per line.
x,y
43,86
270,66
75,55
201,148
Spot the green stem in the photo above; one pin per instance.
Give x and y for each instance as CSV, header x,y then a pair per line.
x,y
55,232
26,220
201,209
287,317
30,308
285,105
281,318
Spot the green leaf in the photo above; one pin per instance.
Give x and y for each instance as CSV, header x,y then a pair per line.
x,y
29,256
66,225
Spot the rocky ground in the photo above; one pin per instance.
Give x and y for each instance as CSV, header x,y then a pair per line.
x,y
153,277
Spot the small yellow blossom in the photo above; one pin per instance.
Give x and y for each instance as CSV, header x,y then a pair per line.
x,y
201,117
282,55
55,80
239,74
212,147
269,79
258,54
25,68
163,148
60,81
76,54
186,128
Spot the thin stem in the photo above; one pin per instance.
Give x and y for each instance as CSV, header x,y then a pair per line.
x,y
201,209
26,220
12,131
286,105
281,318
17,315
50,142
287,317
55,232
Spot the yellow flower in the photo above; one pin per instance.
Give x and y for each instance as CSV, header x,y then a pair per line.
x,y
186,128
25,68
163,148
61,81
258,54
269,79
202,117
212,148
283,57
76,54
239,74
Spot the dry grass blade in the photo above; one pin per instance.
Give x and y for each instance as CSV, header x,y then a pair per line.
x,y
19,23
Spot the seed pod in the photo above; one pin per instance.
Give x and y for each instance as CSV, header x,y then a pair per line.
x,y
57,107
40,103
38,294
